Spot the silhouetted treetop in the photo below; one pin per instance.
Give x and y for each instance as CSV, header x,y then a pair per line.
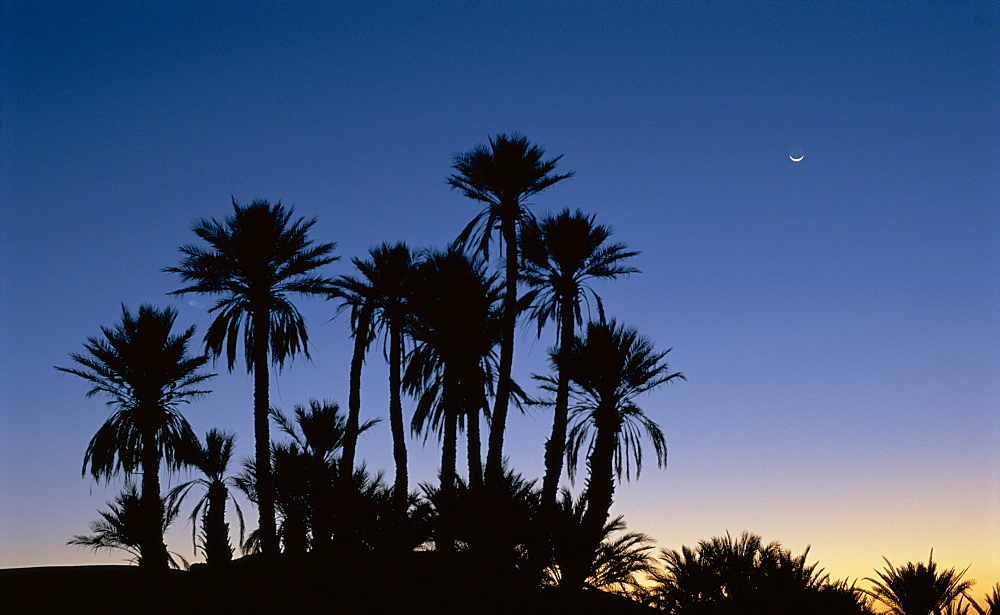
x,y
255,259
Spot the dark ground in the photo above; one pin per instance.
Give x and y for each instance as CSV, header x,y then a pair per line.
x,y
416,583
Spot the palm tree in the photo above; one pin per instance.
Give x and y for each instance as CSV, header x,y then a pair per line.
x,y
455,324
502,177
296,489
620,560
318,433
499,529
918,589
122,527
144,370
723,576
376,525
355,295
688,580
255,259
377,300
562,254
306,475
616,564
608,369
290,467
213,460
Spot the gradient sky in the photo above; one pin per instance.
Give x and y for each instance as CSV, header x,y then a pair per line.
x,y
836,318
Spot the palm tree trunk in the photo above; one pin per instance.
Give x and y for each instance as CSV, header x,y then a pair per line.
x,y
556,446
508,322
346,488
153,550
322,503
262,433
354,400
449,456
599,496
600,487
600,490
474,451
218,551
400,487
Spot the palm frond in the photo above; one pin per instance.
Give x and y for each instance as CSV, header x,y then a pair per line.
x,y
122,526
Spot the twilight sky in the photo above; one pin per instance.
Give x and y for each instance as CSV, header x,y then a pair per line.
x,y
836,318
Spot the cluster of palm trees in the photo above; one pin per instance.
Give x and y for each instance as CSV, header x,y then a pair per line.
x,y
727,575
448,327
447,324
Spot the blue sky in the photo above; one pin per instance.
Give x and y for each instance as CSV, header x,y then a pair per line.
x,y
836,318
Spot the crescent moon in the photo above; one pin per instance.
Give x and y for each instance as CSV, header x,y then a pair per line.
x,y
799,159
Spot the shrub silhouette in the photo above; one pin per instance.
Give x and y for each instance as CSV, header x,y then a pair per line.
x,y
918,589
122,527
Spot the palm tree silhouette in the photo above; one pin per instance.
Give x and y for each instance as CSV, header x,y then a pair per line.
x,y
213,459
608,369
562,253
355,295
470,516
290,484
744,575
144,370
377,300
318,433
621,560
374,524
502,177
455,325
918,589
617,563
123,527
255,259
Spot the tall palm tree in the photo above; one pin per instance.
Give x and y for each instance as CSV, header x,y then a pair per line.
x,y
502,177
918,589
377,300
213,459
455,325
122,527
354,295
608,369
255,259
143,368
562,253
